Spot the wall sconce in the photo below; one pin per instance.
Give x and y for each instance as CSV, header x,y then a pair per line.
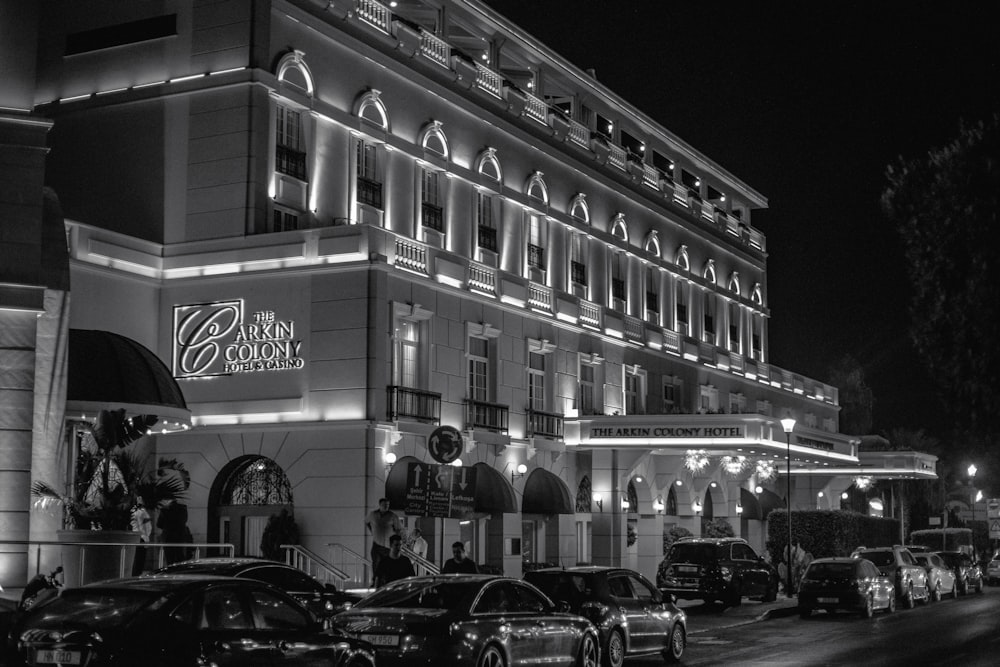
x,y
599,501
739,508
758,490
696,505
714,485
638,479
680,482
518,472
457,463
876,504
820,494
658,505
625,504
844,496
390,459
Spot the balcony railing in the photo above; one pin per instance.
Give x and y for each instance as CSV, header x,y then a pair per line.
x,y
540,297
411,255
590,314
483,278
369,192
489,416
536,256
291,162
488,80
413,404
671,341
578,273
434,48
634,328
544,424
616,156
432,217
536,109
375,14
487,238
579,134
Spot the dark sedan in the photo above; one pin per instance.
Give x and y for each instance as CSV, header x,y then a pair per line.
x,y
467,619
854,584
176,621
631,616
324,600
968,575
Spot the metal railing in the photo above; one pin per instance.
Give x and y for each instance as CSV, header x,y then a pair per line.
x,y
421,562
351,563
432,216
290,162
302,559
487,238
545,424
489,416
369,192
415,403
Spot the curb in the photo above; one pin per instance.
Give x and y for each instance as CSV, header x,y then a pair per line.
x,y
777,612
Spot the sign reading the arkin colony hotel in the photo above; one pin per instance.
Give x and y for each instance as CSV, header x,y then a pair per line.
x,y
341,227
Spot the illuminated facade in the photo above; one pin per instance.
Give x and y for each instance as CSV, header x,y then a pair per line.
x,y
343,225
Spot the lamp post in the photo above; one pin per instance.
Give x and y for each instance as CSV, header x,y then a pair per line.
x,y
788,424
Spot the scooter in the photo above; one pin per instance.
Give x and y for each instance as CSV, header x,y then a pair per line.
x,y
41,587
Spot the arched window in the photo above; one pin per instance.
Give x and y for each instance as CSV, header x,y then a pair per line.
x,y
709,272
618,228
671,508
258,481
584,495
432,138
579,209
734,282
652,244
488,165
681,258
293,71
535,187
369,107
757,296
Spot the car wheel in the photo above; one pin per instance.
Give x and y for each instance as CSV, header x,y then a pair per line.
x,y
926,599
936,595
979,585
491,656
614,652
892,604
678,642
588,652
869,609
908,599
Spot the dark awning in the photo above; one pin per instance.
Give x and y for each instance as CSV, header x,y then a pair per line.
x,y
545,493
769,500
108,371
751,506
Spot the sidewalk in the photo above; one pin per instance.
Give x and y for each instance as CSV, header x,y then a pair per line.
x,y
706,618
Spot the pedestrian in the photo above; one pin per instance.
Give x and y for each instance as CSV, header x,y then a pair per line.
x,y
393,565
140,523
420,549
458,563
382,523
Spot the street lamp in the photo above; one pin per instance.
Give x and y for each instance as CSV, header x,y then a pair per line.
x,y
972,470
788,424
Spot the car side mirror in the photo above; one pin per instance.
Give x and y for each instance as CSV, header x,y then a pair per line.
x,y
657,597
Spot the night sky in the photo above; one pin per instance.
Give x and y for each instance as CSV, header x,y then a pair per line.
x,y
807,103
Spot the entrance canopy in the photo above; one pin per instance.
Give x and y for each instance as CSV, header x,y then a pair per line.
x,y
545,493
108,371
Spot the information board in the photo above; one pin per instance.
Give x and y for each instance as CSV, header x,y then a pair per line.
x,y
443,491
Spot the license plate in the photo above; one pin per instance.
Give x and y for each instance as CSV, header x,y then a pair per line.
x,y
686,568
47,657
381,640
828,600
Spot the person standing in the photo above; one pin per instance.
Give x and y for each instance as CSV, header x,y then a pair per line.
x,y
419,548
141,523
393,565
383,524
458,563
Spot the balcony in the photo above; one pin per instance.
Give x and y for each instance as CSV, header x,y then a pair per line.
x,y
432,217
369,192
487,238
488,416
544,425
411,255
482,279
290,162
407,403
540,297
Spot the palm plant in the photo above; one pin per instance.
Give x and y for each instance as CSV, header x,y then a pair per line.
x,y
111,476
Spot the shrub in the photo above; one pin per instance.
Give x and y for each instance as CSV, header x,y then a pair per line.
x,y
825,533
718,528
280,529
673,535
954,538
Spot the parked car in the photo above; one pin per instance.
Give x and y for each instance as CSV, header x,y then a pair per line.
x,y
897,563
854,584
176,621
632,617
324,600
993,572
469,619
940,578
722,568
967,572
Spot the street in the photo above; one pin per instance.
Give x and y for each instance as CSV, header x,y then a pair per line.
x,y
965,631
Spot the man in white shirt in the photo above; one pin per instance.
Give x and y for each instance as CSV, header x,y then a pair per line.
x,y
383,524
420,548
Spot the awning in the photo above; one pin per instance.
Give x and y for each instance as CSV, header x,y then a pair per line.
x,y
769,500
751,506
545,493
108,371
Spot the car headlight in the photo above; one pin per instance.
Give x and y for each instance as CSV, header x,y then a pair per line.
x,y
726,573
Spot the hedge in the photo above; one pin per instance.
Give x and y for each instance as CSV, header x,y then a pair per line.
x,y
825,533
954,538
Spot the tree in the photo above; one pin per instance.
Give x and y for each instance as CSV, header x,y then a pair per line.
x,y
944,207
854,396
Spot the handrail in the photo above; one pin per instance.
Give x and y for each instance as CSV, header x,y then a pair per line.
x,y
358,560
295,551
421,561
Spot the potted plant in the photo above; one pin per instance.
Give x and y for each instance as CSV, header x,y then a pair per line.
x,y
110,477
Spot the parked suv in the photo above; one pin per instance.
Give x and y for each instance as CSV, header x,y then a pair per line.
x,y
968,575
908,576
709,569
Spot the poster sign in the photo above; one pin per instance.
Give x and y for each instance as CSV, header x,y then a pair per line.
x,y
443,491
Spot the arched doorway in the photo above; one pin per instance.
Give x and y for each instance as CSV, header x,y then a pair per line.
x,y
246,492
546,499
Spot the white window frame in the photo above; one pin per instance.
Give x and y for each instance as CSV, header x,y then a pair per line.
x,y
737,403
595,364
634,396
708,399
672,390
415,321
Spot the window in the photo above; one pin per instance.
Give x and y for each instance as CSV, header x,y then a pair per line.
x,y
634,385
284,220
536,188
618,228
671,394
653,294
587,403
737,403
757,337
682,307
222,610
289,158
479,369
578,264
810,419
487,230
369,181
708,401
578,208
709,317
536,380
618,292
407,341
536,243
764,408
734,326
274,613
431,213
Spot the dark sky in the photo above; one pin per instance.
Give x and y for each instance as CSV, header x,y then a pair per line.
x,y
807,102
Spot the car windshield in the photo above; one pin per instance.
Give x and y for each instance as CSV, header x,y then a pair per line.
x,y
424,594
830,570
96,609
701,554
880,558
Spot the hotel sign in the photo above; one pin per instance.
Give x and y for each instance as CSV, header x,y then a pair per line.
x,y
212,339
667,432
